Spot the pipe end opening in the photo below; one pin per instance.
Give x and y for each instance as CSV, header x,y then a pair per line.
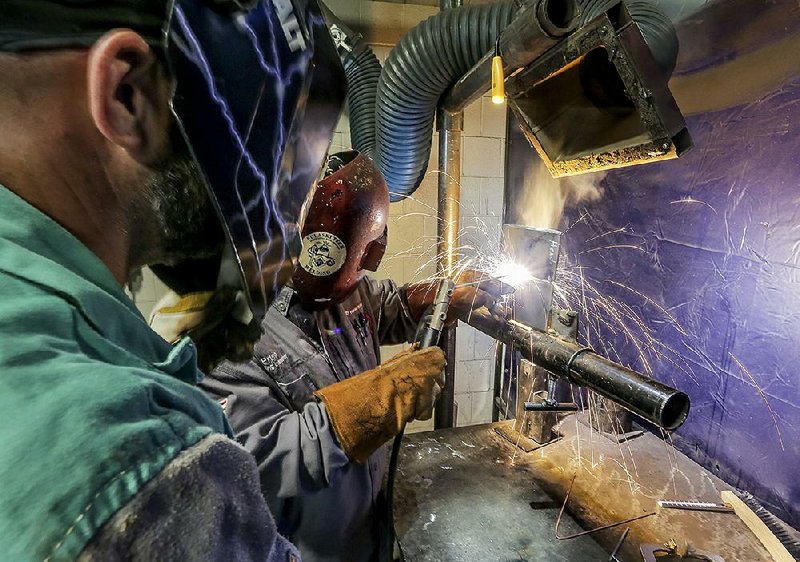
x,y
558,17
675,411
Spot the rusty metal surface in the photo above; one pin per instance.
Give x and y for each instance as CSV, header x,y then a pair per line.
x,y
574,134
652,400
460,498
532,32
532,386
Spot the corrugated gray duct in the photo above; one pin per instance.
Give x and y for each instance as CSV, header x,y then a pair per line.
x,y
362,70
427,61
656,27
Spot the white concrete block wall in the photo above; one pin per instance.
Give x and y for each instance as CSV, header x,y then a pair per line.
x,y
483,157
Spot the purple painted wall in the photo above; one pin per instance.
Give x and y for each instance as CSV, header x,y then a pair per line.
x,y
705,252
727,270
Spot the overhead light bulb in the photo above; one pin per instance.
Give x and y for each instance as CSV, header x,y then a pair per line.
x,y
498,77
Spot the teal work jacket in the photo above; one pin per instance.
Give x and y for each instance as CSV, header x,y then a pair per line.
x,y
94,403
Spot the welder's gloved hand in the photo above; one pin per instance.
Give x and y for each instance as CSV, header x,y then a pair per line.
x,y
482,290
370,408
219,322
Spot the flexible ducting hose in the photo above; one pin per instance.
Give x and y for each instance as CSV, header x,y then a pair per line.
x,y
426,61
656,27
363,70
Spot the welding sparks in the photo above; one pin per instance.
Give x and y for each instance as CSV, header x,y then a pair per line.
x,y
763,397
622,322
512,273
691,200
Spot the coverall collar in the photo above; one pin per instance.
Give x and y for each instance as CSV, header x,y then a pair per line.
x,y
85,281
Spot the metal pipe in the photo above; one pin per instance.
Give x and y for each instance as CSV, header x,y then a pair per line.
x,y
654,401
536,29
449,127
545,407
499,360
449,195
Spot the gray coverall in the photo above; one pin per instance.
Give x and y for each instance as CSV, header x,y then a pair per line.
x,y
329,507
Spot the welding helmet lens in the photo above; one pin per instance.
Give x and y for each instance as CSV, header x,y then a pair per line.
x,y
257,96
373,256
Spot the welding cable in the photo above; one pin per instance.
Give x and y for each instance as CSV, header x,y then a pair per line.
x,y
390,540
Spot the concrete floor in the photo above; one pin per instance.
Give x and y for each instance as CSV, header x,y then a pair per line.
x,y
467,494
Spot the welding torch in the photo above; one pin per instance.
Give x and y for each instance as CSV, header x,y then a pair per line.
x,y
431,327
428,334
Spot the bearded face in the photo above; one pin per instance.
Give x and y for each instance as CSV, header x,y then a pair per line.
x,y
176,194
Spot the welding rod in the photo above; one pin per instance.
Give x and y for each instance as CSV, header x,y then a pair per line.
x,y
695,506
654,401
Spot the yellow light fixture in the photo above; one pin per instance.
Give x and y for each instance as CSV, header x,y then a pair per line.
x,y
498,78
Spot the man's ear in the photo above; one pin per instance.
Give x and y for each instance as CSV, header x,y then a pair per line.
x,y
128,95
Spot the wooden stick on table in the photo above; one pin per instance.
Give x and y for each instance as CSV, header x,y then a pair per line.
x,y
758,527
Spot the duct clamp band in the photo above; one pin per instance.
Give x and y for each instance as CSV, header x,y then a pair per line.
x,y
575,355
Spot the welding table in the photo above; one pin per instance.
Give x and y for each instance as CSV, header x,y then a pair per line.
x,y
459,497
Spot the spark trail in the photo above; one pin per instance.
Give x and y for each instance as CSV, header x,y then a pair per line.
x,y
637,321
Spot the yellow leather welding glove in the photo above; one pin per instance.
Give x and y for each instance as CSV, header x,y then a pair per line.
x,y
219,322
481,290
370,408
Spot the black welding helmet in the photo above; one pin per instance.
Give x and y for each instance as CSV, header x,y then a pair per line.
x,y
258,93
258,90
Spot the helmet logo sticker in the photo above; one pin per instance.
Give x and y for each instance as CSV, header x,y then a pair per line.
x,y
323,253
290,25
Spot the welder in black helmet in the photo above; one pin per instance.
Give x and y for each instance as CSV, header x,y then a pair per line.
x,y
315,404
137,132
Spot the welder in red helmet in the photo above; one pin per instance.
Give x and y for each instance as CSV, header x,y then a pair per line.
x,y
315,404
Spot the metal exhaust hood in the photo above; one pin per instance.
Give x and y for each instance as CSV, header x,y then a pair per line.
x,y
598,100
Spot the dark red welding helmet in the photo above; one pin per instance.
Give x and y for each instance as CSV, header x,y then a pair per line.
x,y
344,232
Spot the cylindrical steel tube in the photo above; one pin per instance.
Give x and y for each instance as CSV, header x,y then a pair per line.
x,y
544,407
654,401
449,192
499,361
536,29
449,189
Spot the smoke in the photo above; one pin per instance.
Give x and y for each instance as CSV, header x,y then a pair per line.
x,y
544,197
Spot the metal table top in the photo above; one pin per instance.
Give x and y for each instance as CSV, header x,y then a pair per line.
x,y
460,497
